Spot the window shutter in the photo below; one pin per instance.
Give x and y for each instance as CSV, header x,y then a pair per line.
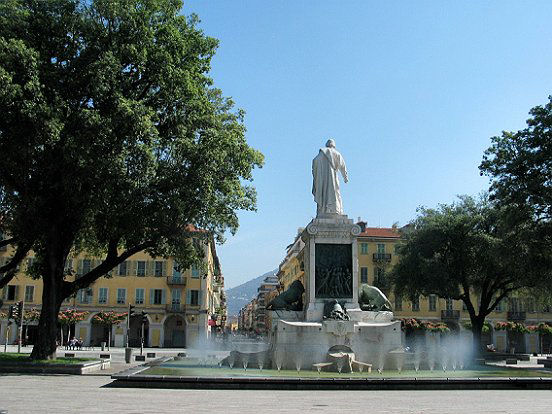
x,y
164,267
150,268
188,297
163,297
79,268
5,293
200,297
134,268
151,296
16,292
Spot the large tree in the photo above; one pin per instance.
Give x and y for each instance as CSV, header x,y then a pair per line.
x,y
520,166
469,251
113,139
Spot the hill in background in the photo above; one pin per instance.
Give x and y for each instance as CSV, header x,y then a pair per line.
x,y
239,296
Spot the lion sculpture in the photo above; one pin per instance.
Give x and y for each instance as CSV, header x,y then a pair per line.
x,y
291,299
370,298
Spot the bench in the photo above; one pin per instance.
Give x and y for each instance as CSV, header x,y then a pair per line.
x,y
321,365
140,358
362,365
69,355
105,356
511,361
150,354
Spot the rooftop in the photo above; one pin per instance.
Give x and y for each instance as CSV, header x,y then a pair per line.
x,y
385,232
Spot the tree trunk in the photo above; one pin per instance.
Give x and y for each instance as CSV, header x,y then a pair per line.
x,y
477,329
45,346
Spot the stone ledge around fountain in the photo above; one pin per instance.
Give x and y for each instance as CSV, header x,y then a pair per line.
x,y
267,383
297,344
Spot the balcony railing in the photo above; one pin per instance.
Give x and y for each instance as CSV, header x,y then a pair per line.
x,y
176,280
517,315
381,257
450,314
175,307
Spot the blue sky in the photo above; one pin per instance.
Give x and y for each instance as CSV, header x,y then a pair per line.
x,y
410,91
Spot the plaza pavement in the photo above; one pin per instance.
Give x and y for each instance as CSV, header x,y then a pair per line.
x,y
29,394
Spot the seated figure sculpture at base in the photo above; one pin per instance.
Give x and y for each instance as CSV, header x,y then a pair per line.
x,y
335,310
370,298
291,299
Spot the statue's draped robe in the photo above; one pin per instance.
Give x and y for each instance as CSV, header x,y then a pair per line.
x,y
325,182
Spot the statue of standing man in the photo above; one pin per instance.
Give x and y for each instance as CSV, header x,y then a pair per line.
x,y
325,182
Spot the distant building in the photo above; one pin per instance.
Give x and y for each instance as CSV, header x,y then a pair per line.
x,y
269,284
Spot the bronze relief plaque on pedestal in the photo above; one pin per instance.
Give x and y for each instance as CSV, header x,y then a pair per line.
x,y
333,271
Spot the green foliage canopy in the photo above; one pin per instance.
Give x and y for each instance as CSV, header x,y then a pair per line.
x,y
112,134
520,165
469,251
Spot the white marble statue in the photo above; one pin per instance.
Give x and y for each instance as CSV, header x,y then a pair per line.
x,y
325,182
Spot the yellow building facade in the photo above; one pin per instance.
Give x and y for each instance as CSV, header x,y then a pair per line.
x,y
184,306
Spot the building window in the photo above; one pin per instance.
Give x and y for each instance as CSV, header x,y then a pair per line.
x,y
449,304
121,296
381,248
363,248
139,300
157,296
432,303
176,271
84,295
195,271
141,268
123,268
416,304
86,266
158,271
398,303
11,293
194,297
363,275
102,296
29,293
176,294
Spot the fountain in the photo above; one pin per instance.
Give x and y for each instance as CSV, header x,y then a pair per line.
x,y
331,308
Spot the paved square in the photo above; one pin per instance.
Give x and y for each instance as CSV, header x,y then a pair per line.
x,y
26,394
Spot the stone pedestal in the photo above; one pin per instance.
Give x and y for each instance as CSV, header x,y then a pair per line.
x,y
331,266
300,339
